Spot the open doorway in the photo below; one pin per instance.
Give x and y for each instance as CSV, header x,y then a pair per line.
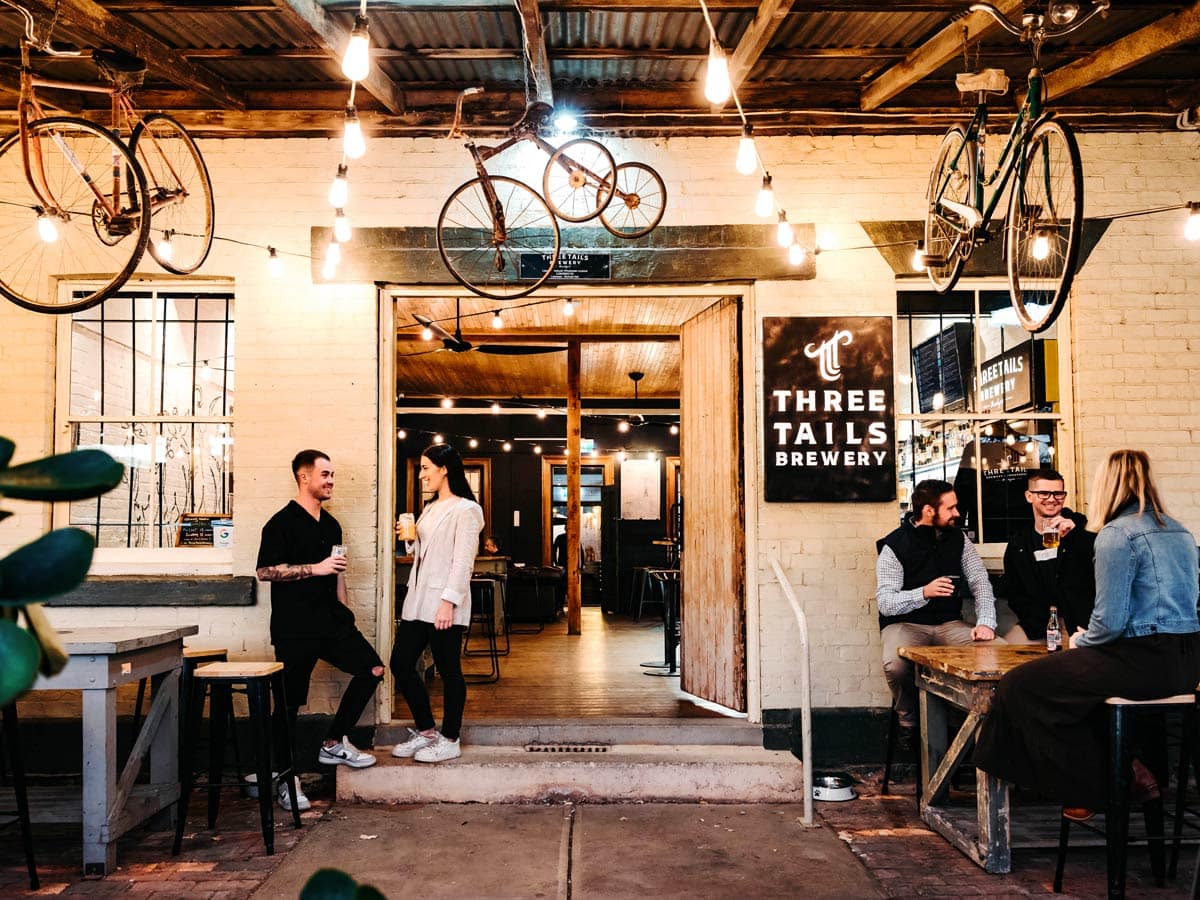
x,y
497,391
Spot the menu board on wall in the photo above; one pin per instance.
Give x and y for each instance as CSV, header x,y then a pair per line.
x,y
943,365
829,425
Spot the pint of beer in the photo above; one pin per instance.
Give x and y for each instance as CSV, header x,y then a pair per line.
x,y
1050,539
406,527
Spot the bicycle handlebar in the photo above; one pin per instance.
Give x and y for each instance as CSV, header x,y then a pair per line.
x,y
455,131
1035,28
31,36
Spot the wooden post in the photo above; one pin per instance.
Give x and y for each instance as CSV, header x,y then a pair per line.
x,y
574,600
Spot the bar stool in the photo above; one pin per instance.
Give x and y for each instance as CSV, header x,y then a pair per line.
x,y
525,576
642,589
260,681
497,583
1116,825
483,613
10,739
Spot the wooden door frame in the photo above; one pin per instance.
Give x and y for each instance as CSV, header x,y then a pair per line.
x,y
548,462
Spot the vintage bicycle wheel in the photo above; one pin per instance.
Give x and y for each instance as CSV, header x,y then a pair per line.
x,y
97,250
638,203
953,178
573,175
181,193
513,265
1045,221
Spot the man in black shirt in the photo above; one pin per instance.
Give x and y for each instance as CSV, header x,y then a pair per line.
x,y
309,617
1037,577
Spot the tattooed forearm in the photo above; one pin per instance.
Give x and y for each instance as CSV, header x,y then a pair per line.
x,y
284,573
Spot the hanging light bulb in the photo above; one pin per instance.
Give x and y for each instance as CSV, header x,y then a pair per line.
x,y
747,155
568,308
506,447
47,230
339,191
918,257
447,402
783,233
623,426
674,429
765,204
341,227
565,121
274,263
401,434
939,400
717,86
356,64
333,256
797,254
164,247
621,456
1040,249
353,142
497,322
541,412
495,409
427,333
472,443
1191,229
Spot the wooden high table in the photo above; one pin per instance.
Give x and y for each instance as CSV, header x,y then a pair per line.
x,y
101,659
964,677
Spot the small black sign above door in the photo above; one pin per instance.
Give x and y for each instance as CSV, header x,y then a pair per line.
x,y
571,266
828,422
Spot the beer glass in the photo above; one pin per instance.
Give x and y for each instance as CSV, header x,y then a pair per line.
x,y
338,550
1050,539
406,526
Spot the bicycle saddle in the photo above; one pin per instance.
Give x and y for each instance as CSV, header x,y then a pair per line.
x,y
535,114
991,80
121,68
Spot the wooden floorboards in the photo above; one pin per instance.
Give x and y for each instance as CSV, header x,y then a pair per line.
x,y
554,675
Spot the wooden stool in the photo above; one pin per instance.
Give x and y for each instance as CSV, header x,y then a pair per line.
x,y
1120,772
260,680
11,742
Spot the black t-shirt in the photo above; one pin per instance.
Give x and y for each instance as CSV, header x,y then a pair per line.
x,y
308,607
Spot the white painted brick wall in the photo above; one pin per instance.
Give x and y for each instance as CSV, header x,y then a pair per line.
x,y
307,364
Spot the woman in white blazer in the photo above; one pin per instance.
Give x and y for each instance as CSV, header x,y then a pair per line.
x,y
437,608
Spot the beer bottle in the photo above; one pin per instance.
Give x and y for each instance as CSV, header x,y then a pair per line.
x,y
1053,631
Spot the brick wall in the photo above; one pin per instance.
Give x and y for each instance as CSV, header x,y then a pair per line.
x,y
306,358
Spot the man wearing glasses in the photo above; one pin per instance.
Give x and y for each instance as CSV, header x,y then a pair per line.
x,y
1050,563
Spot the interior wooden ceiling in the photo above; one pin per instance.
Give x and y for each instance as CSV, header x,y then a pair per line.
x,y
617,336
270,67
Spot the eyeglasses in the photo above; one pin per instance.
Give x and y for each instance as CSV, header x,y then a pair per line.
x,y
1050,495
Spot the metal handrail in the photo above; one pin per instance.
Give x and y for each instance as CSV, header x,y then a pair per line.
x,y
805,690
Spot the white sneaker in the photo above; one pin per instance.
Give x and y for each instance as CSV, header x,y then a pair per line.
x,y
416,741
285,801
440,750
345,754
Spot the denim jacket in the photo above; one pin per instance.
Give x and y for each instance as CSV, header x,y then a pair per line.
x,y
1146,579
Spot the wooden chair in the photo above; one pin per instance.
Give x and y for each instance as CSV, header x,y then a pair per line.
x,y
261,681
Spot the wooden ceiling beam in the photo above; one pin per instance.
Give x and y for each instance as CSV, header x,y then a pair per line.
x,y
107,30
950,7
1178,28
756,38
933,54
550,338
332,36
533,36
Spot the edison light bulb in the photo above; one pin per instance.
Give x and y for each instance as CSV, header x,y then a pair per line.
x,y
447,402
495,409
506,447
747,155
356,64
565,121
765,204
542,412
1041,247
497,322
1191,229
427,334
472,443
274,263
341,227
716,83
437,438
537,448
622,426
568,308
354,144
674,429
339,191
47,230
796,254
164,247
918,258
783,233
333,253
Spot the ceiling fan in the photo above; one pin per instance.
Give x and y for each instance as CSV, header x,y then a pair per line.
x,y
455,343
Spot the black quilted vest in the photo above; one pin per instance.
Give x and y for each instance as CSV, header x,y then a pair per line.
x,y
926,553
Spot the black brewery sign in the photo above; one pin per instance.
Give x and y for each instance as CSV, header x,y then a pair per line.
x,y
829,409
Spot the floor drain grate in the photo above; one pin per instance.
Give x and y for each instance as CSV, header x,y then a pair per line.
x,y
567,747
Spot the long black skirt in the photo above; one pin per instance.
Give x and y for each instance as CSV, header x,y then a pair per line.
x,y
1048,727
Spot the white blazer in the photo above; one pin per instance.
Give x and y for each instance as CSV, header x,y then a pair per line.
x,y
443,560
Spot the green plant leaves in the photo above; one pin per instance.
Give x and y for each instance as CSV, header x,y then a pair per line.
x,y
334,884
51,565
66,476
6,451
20,654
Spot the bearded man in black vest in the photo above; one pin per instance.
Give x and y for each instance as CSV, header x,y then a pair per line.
x,y
926,568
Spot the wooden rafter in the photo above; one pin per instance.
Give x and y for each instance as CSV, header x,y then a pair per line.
x,y
933,54
332,37
1171,31
533,37
755,39
107,30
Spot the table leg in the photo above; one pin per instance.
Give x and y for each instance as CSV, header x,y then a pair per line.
x,y
99,778
164,753
991,802
935,738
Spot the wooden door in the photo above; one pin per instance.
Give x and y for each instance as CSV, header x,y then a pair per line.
x,y
714,534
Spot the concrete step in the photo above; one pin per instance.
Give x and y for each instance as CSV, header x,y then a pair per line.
x,y
491,774
630,730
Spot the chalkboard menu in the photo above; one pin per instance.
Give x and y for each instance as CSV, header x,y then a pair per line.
x,y
196,529
945,364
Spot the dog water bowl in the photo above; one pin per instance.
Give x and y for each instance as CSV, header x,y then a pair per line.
x,y
833,786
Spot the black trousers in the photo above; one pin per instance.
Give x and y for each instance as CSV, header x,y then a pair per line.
x,y
1048,727
411,640
348,651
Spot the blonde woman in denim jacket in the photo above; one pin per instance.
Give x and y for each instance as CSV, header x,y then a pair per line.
x,y
1046,729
